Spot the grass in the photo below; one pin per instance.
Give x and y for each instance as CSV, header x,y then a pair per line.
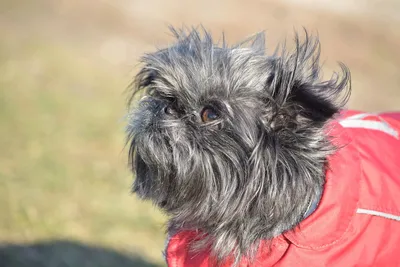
x,y
63,171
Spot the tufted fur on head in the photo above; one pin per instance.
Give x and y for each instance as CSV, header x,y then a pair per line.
x,y
250,173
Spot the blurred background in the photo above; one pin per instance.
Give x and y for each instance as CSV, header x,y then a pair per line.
x,y
64,66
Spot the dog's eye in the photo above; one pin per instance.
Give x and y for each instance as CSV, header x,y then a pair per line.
x,y
170,109
208,114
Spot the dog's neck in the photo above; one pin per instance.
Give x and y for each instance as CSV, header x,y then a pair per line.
x,y
313,205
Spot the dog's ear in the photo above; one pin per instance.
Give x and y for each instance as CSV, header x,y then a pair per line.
x,y
295,82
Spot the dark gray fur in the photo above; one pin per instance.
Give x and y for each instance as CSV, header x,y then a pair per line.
x,y
251,174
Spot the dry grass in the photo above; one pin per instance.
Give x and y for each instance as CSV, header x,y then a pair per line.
x,y
62,164
64,66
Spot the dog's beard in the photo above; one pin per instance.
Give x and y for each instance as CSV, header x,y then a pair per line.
x,y
179,168
250,174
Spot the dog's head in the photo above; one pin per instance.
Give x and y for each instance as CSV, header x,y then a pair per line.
x,y
229,140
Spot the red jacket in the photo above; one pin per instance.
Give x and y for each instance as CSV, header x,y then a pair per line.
x,y
357,222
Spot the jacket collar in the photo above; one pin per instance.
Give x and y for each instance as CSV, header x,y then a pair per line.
x,y
338,204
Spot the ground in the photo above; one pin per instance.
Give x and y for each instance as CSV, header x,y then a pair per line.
x,y
64,66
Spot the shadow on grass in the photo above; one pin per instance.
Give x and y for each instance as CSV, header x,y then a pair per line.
x,y
65,254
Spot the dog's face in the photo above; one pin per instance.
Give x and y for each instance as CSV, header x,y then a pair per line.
x,y
229,140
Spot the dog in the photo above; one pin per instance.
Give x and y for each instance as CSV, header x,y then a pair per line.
x,y
256,161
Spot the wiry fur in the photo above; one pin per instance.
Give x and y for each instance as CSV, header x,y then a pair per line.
x,y
251,174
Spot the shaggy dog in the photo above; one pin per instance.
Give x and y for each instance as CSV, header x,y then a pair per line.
x,y
232,143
